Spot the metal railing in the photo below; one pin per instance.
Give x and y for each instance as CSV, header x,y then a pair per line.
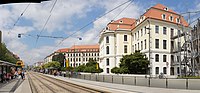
x,y
173,83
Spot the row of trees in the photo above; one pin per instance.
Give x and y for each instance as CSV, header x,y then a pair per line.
x,y
6,55
136,63
90,67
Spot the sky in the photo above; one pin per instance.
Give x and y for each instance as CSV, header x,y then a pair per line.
x,y
66,19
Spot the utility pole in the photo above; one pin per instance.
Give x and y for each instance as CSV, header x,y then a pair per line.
x,y
150,64
0,40
0,36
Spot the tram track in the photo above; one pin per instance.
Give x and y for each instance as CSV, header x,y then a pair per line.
x,y
66,86
40,86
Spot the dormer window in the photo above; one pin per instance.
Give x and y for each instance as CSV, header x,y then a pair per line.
x,y
107,28
163,16
171,18
166,9
177,20
121,21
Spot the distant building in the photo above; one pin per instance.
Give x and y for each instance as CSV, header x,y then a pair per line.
x,y
78,54
38,64
152,34
49,58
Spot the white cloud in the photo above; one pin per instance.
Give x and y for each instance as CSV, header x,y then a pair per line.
x,y
62,17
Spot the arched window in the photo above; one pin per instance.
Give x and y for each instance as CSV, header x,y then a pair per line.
x,y
157,58
107,50
157,70
107,39
164,58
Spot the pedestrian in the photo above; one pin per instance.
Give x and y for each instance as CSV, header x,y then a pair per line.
x,y
55,72
16,74
22,75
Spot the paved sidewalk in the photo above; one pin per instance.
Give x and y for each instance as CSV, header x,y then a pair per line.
x,y
10,86
110,87
24,87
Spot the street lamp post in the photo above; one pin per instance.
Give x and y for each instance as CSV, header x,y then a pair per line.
x,y
150,64
79,38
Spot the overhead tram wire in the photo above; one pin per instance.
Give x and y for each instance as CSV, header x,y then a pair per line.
x,y
120,12
20,17
123,9
38,36
91,23
18,20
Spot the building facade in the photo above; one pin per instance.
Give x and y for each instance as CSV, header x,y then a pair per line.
x,y
49,58
152,34
115,41
80,54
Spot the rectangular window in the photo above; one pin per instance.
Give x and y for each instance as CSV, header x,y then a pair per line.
x,y
164,58
107,39
179,45
125,37
141,32
135,36
135,47
107,50
157,43
172,45
172,32
157,29
164,44
179,32
107,70
145,44
178,71
145,29
141,45
164,30
138,46
157,58
125,48
172,58
157,70
178,58
107,62
164,70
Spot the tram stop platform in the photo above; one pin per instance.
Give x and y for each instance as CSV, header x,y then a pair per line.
x,y
10,86
24,87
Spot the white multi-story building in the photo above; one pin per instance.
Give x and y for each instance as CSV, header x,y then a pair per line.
x,y
152,33
115,41
48,58
81,55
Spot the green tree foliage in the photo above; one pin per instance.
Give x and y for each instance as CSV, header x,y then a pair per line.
x,y
135,63
59,58
80,68
6,55
70,68
53,64
90,67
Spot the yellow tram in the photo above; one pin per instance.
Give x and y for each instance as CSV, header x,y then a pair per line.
x,y
20,64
